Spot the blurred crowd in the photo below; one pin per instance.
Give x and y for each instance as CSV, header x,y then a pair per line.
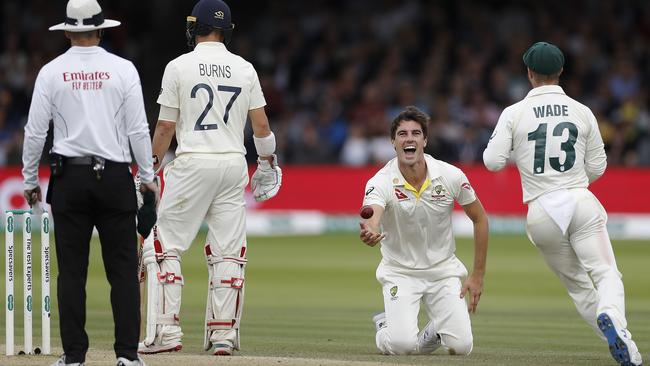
x,y
335,73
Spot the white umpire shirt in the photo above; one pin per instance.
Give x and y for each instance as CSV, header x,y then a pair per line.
x,y
553,139
418,224
213,89
95,101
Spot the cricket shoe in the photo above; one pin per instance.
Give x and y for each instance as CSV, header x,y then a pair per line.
x,y
159,348
621,345
61,362
428,339
380,321
222,349
121,361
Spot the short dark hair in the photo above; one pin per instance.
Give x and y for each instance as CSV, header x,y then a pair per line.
x,y
554,77
410,113
86,34
203,30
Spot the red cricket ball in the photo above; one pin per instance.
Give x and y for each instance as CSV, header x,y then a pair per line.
x,y
366,212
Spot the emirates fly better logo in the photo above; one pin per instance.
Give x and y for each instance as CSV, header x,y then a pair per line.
x,y
86,80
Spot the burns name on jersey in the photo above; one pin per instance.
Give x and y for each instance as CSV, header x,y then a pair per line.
x,y
217,71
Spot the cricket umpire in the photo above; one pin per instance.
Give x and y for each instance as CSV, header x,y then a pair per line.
x,y
94,99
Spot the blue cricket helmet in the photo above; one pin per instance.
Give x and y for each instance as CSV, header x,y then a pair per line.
x,y
207,16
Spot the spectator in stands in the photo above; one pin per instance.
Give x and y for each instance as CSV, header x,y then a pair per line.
x,y
379,57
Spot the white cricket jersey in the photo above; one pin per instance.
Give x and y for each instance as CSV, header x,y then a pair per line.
x,y
214,89
418,229
94,99
553,139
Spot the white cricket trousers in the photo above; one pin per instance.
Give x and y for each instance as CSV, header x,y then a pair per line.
x,y
404,289
582,258
198,189
211,188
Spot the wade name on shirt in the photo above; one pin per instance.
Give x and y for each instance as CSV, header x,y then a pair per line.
x,y
82,80
549,110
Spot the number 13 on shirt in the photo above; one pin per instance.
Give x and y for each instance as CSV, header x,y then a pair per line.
x,y
539,136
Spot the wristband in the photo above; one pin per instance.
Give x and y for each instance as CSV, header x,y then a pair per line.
x,y
265,146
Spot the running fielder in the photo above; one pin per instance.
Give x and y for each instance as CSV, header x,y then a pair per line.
x,y
555,142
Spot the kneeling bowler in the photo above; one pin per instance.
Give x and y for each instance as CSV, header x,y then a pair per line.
x,y
412,198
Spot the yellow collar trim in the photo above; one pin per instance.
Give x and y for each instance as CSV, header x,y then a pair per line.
x,y
408,186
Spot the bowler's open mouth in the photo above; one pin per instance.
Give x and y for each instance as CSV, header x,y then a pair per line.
x,y
409,149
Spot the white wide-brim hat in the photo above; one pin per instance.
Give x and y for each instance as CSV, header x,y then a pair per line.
x,y
83,16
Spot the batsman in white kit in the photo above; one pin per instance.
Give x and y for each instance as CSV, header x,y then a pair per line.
x,y
412,199
558,149
205,100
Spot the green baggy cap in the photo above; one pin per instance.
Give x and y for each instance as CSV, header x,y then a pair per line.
x,y
544,58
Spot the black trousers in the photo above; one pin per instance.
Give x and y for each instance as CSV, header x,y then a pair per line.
x,y
79,203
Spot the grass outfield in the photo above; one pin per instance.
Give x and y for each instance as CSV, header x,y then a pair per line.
x,y
309,300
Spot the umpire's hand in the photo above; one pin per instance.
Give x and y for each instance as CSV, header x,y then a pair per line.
x,y
153,187
32,196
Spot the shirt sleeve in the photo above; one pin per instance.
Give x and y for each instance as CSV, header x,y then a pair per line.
x,y
137,127
169,114
461,189
374,193
169,87
595,157
257,97
38,121
497,152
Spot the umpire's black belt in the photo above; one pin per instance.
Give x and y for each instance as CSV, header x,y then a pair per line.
x,y
88,160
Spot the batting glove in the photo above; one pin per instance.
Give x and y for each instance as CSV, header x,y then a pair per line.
x,y
266,180
147,195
